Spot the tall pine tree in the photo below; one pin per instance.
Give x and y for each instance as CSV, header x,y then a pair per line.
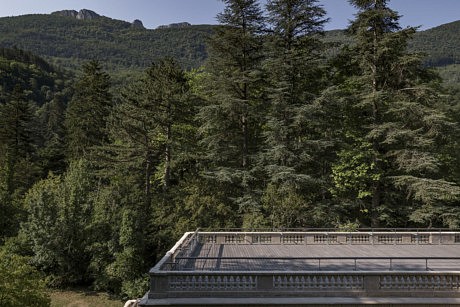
x,y
293,64
149,126
87,113
149,138
18,144
231,120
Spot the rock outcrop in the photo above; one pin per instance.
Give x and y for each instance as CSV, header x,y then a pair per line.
x,y
66,13
175,25
87,14
84,14
137,24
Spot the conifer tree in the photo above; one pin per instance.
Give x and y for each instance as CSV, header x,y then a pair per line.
x,y
149,132
232,118
293,66
391,164
88,110
17,151
149,126
16,130
235,54
51,116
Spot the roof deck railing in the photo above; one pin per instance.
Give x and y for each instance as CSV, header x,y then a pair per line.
x,y
312,263
183,273
330,237
344,229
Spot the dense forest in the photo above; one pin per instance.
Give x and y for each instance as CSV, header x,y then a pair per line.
x,y
68,42
276,130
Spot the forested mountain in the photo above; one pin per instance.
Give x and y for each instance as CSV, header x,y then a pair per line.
x,y
441,44
440,47
281,127
68,42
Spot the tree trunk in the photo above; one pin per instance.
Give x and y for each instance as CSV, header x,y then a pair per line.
x,y
148,175
244,123
375,223
376,190
167,170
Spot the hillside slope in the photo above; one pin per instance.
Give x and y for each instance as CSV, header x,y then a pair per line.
x,y
67,41
441,44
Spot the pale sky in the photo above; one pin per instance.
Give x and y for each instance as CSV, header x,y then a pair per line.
x,y
425,13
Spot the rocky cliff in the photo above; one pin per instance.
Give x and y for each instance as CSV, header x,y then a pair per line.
x,y
175,25
137,24
66,13
83,14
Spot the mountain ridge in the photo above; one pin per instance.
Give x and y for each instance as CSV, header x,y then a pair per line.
x,y
66,40
83,14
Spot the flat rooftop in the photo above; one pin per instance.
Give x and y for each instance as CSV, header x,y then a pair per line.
x,y
223,257
319,252
308,268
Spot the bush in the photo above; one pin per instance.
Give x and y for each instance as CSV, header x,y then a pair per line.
x,y
20,283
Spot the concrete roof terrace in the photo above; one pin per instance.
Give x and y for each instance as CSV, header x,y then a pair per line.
x,y
242,266
310,251
224,257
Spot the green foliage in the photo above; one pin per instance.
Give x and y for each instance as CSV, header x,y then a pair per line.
x,y
397,123
153,121
440,44
231,118
58,225
151,135
118,243
20,283
88,111
69,42
449,74
349,226
203,204
28,85
275,131
287,208
22,70
294,79
51,118
355,172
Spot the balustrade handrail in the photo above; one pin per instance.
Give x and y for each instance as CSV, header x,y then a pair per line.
x,y
355,260
218,230
310,231
325,258
185,271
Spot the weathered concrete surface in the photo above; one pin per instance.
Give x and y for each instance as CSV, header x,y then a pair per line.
x,y
277,252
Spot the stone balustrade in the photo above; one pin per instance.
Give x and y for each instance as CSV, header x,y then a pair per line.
x,y
173,278
306,284
381,237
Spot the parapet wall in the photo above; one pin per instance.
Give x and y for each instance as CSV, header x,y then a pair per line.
x,y
378,237
173,278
